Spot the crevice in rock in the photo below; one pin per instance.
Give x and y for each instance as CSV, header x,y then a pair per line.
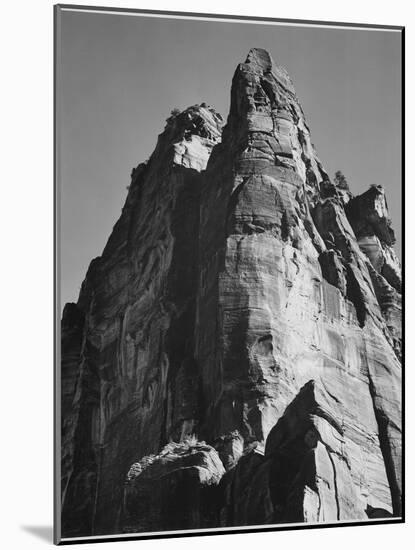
x,y
285,226
385,446
232,202
354,294
270,92
336,493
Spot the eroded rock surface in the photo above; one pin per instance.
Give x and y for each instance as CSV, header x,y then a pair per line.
x,y
245,300
173,490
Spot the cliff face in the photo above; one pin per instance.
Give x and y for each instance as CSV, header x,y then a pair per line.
x,y
234,355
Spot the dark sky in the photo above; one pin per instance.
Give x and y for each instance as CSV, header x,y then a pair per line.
x,y
123,74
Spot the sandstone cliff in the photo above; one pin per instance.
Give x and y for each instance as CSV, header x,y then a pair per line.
x,y
234,354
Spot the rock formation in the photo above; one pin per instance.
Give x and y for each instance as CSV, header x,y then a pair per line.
x,y
234,354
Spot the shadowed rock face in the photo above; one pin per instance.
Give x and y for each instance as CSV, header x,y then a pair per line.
x,y
243,300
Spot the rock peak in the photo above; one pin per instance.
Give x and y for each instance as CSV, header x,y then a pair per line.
x,y
260,57
243,303
267,126
199,118
190,134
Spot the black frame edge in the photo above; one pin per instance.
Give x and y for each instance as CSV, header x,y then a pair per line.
x,y
228,16
56,298
403,184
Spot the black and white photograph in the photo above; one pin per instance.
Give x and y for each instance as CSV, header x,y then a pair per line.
x,y
228,251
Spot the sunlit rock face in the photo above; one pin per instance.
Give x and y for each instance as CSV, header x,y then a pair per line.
x,y
246,310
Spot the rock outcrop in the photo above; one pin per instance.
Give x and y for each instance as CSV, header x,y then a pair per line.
x,y
234,354
174,489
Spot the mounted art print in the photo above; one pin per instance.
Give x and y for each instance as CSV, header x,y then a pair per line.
x,y
228,301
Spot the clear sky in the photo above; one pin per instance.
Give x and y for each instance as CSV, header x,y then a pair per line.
x,y
123,74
